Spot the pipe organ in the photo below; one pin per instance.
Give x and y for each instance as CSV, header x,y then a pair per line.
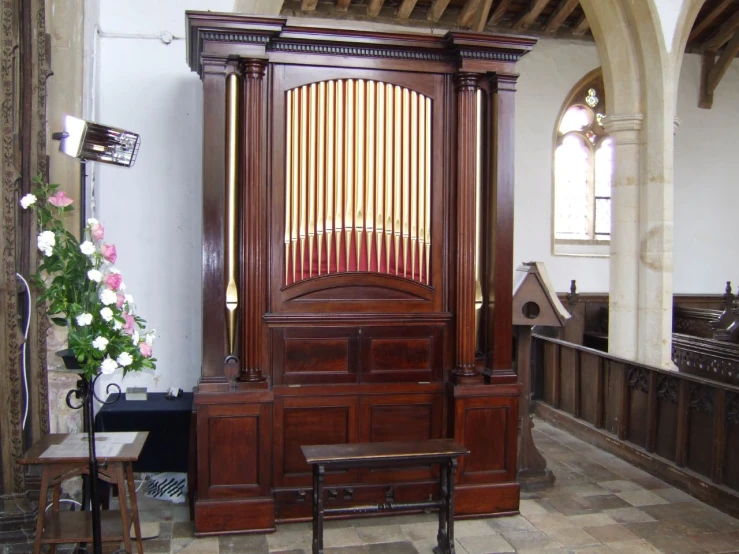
x,y
357,263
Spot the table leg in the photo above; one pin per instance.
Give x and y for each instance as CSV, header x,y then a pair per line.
x,y
56,494
452,475
121,483
45,474
441,536
318,473
134,507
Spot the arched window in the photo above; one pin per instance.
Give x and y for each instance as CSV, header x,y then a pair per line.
x,y
583,155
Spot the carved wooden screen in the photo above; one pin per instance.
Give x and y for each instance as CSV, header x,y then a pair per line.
x,y
357,180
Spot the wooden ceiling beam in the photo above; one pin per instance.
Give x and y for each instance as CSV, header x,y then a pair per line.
x,y
343,5
499,12
308,5
405,9
483,16
474,15
527,19
560,15
708,20
581,27
714,74
374,7
723,35
437,9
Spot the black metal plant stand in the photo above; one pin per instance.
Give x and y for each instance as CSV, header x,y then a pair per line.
x,y
85,394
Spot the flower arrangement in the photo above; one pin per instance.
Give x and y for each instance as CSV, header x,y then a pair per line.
x,y
84,291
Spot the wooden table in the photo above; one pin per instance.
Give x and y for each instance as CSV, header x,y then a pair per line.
x,y
388,454
75,527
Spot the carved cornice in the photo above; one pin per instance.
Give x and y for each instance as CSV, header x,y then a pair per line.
x,y
212,31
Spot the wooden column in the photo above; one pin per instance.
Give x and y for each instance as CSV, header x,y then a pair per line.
x,y
464,369
253,208
214,192
499,230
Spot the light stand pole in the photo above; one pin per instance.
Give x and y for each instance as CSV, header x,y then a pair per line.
x,y
85,392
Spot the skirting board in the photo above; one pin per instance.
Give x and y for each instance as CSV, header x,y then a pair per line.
x,y
718,496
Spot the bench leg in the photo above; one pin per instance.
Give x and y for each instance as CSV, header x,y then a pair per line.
x,y
441,536
451,477
318,472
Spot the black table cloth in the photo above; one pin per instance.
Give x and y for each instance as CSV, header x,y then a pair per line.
x,y
168,423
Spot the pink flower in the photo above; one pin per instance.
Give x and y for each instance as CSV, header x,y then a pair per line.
x,y
128,326
120,300
97,231
108,252
145,349
113,280
60,199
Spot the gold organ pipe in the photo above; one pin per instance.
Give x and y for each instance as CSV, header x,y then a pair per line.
x,y
288,178
478,221
389,127
359,145
330,112
303,174
339,182
350,162
369,204
379,171
414,180
311,175
358,166
406,177
295,178
320,174
232,183
398,121
427,189
422,137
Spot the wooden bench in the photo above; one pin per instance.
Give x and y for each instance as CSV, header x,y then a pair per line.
x,y
383,455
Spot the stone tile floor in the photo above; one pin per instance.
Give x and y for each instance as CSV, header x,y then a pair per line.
x,y
600,504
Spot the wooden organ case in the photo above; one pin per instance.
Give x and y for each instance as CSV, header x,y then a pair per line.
x,y
357,263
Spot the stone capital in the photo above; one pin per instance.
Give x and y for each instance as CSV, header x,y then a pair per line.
x,y
618,122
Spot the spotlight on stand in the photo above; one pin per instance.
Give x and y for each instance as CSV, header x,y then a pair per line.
x,y
93,142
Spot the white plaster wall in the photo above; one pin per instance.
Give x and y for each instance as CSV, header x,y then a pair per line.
x,y
706,184
152,212
548,73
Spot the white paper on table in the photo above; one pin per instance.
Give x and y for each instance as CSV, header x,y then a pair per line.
x,y
100,438
79,449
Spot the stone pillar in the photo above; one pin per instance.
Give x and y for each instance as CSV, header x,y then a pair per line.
x,y
623,308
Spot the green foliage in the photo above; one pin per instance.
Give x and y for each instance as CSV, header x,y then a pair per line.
x,y
74,280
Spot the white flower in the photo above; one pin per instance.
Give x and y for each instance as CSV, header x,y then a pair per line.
x,y
108,366
94,275
135,338
106,313
129,298
28,200
100,343
124,359
123,286
84,319
87,248
92,221
108,297
46,241
150,337
117,325
115,270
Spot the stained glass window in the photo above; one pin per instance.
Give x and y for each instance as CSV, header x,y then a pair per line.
x,y
583,165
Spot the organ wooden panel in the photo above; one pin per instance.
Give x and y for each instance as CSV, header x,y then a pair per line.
x,y
357,262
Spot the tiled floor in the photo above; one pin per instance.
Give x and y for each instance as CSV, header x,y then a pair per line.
x,y
600,504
